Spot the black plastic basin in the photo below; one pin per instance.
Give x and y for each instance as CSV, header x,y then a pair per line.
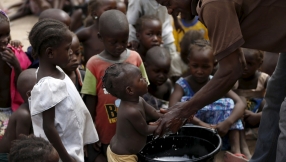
x,y
190,144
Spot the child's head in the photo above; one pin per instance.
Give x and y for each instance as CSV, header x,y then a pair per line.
x,y
189,38
32,149
157,63
56,14
201,60
4,31
149,31
75,60
114,32
51,42
97,7
25,83
254,59
124,80
121,6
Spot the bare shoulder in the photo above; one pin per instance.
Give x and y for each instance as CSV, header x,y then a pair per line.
x,y
84,34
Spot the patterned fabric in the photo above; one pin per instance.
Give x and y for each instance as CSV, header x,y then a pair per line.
x,y
213,113
5,113
155,102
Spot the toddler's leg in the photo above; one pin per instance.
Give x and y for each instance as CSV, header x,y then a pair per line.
x,y
266,145
243,145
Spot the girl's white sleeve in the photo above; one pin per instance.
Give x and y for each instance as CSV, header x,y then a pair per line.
x,y
47,93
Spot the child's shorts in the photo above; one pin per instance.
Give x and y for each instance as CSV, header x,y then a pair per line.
x,y
5,114
112,157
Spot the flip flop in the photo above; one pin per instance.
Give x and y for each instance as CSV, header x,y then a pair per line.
x,y
230,157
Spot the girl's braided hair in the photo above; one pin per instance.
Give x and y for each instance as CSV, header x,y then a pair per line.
x,y
46,33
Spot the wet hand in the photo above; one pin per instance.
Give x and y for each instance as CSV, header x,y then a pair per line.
x,y
171,121
8,56
133,45
16,44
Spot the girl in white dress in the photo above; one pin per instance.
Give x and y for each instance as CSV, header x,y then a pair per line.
x,y
57,110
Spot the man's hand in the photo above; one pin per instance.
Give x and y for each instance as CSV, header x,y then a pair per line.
x,y
133,45
171,121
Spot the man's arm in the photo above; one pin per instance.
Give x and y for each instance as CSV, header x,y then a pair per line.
x,y
230,70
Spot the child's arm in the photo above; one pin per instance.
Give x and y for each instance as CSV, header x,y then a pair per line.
x,y
24,123
8,56
53,136
176,95
236,113
91,102
139,123
150,112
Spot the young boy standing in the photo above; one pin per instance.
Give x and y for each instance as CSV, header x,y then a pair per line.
x,y
100,103
126,82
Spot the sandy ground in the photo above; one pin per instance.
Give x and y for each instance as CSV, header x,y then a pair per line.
x,y
21,27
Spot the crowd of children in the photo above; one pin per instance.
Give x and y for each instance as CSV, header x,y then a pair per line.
x,y
89,95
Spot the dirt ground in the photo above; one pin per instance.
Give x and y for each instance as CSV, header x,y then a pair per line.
x,y
21,27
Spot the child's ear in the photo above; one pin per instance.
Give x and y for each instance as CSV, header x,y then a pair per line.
x,y
99,36
49,52
129,90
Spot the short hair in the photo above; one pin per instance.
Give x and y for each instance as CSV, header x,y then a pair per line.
x,y
54,13
46,33
3,17
189,38
28,77
113,21
30,149
260,54
202,44
115,78
140,22
93,5
157,53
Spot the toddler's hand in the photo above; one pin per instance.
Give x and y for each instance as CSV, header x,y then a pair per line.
x,y
16,44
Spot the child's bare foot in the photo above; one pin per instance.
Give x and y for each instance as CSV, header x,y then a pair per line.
x,y
229,157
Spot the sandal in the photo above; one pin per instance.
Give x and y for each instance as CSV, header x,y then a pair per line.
x,y
238,157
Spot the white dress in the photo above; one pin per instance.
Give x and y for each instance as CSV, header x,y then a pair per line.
x,y
72,118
